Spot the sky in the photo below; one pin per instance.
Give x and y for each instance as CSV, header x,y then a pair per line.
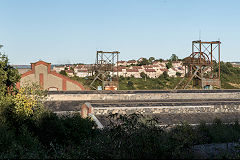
x,y
71,31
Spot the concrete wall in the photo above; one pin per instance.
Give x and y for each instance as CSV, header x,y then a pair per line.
x,y
171,107
140,96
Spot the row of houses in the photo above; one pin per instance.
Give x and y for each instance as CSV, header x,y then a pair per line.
x,y
126,70
152,71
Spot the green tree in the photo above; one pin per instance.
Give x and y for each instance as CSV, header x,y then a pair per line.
x,y
174,57
161,60
169,64
130,85
9,76
29,101
63,72
144,62
143,75
178,74
165,74
151,59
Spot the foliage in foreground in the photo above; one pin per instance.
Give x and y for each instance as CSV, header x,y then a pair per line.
x,y
48,135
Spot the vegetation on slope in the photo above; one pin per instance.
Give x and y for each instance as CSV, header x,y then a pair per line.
x,y
230,79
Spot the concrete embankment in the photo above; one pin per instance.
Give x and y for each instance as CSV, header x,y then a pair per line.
x,y
141,95
170,107
73,100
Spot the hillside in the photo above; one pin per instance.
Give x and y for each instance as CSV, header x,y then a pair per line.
x,y
230,79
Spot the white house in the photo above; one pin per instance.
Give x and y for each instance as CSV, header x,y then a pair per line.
x,y
151,73
121,63
176,63
172,72
133,72
82,73
160,71
59,68
70,73
131,62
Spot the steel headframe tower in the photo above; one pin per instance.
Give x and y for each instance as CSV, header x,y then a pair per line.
x,y
202,67
106,70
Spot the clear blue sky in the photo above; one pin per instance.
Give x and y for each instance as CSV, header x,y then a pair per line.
x,y
71,31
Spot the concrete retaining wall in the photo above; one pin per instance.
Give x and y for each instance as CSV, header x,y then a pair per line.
x,y
140,96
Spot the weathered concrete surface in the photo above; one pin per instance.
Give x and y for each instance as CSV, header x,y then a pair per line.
x,y
141,96
72,100
171,107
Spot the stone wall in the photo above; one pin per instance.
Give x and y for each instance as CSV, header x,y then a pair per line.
x,y
148,110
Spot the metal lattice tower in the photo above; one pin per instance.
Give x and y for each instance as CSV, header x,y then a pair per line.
x,y
202,67
106,70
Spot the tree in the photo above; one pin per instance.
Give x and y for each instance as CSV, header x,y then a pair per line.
x,y
63,72
174,57
160,60
178,74
130,85
151,59
169,64
9,76
143,75
144,62
29,101
165,74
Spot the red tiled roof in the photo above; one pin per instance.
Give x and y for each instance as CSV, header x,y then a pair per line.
x,y
164,70
82,70
147,66
121,61
132,70
150,70
137,67
162,65
131,61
